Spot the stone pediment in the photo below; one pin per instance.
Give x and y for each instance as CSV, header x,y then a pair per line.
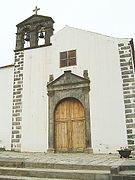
x,y
68,79
35,19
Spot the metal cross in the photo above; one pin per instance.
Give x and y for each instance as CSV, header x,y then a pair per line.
x,y
36,10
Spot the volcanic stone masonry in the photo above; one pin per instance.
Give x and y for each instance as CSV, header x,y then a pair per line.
x,y
127,72
17,101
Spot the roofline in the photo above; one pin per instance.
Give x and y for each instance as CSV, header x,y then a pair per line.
x,y
100,34
33,16
6,66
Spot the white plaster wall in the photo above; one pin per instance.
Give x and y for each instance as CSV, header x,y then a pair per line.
x,y
34,106
99,55
6,100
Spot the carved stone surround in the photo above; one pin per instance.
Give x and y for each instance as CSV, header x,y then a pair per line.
x,y
69,85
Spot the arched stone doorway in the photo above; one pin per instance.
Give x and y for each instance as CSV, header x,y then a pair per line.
x,y
69,92
69,126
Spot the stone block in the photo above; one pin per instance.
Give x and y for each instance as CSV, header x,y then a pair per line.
x,y
130,141
121,52
122,60
102,177
20,62
15,140
21,68
17,86
126,101
15,123
125,55
132,136
129,120
17,79
117,177
130,125
19,89
18,110
124,64
17,92
130,115
18,103
126,92
129,131
128,111
127,72
16,114
130,106
16,68
18,127
115,169
15,132
125,47
129,96
17,72
19,96
128,177
21,55
20,75
125,84
18,136
124,68
129,88
125,76
18,118
128,80
20,82
121,44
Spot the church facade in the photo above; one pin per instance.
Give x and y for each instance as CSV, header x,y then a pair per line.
x,y
72,91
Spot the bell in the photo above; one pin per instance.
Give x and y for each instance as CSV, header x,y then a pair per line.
x,y
27,37
41,35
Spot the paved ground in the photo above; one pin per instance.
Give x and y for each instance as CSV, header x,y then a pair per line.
x,y
68,158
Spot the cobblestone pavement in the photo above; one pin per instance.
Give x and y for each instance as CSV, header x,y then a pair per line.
x,y
68,158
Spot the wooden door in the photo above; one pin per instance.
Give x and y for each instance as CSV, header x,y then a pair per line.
x,y
69,126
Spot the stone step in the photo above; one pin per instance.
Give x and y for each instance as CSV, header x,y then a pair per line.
x,y
128,173
65,166
127,167
56,173
122,177
26,178
22,164
122,173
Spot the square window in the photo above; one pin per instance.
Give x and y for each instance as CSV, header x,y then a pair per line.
x,y
68,58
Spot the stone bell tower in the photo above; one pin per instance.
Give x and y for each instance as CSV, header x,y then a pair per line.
x,y
29,32
33,29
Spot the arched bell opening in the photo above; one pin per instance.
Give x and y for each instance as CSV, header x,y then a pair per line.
x,y
41,35
26,38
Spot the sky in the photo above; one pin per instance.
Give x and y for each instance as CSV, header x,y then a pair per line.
x,y
109,17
